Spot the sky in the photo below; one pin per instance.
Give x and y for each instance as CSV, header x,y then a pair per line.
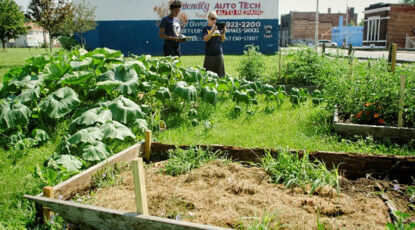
x,y
306,5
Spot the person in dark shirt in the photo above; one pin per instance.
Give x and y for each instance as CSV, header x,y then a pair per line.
x,y
213,46
169,30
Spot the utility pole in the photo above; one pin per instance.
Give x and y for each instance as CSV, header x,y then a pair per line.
x,y
347,23
317,21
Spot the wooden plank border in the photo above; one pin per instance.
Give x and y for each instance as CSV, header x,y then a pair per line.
x,y
352,165
91,217
82,181
395,134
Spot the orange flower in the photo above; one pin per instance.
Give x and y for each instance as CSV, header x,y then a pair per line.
x,y
381,121
379,107
359,115
367,104
376,116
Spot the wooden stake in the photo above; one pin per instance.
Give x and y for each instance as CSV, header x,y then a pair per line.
x,y
392,55
401,102
147,146
49,193
350,50
279,62
324,49
140,186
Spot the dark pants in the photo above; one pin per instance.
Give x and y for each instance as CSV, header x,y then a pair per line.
x,y
171,49
215,64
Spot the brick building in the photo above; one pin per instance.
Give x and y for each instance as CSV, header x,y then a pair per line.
x,y
388,23
299,27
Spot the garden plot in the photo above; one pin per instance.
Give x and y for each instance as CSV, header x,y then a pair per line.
x,y
223,194
206,188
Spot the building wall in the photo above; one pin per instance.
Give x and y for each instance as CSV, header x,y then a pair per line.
x,y
401,23
354,35
398,21
132,26
302,27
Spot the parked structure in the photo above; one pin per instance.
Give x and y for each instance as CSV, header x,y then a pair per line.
x,y
347,34
298,27
35,37
389,23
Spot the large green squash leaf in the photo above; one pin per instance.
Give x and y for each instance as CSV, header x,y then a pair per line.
x,y
115,130
76,78
209,95
71,163
122,80
93,116
82,65
163,94
193,75
96,151
26,82
125,111
28,95
138,66
54,71
40,135
13,114
141,125
187,93
59,103
87,135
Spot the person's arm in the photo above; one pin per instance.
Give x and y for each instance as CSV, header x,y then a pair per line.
x,y
210,35
163,35
223,35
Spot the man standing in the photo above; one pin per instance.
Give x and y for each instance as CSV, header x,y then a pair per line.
x,y
170,30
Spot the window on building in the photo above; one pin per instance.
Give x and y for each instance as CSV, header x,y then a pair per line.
x,y
373,28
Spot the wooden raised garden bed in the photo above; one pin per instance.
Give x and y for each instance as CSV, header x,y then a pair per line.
x,y
394,134
353,166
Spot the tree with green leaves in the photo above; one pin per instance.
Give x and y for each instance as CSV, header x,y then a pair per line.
x,y
51,15
11,21
411,2
83,20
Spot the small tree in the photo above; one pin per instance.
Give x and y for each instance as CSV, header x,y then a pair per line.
x,y
11,21
83,20
50,15
411,2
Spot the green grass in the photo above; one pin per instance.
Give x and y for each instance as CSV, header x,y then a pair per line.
x,y
295,171
183,161
14,57
306,127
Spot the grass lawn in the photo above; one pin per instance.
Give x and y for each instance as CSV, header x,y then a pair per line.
x,y
14,57
305,127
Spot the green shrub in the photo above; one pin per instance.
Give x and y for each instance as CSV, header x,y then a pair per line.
x,y
305,67
293,170
68,43
252,66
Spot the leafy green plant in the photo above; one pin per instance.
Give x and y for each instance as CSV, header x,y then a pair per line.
x,y
253,65
298,96
295,170
183,161
400,223
266,221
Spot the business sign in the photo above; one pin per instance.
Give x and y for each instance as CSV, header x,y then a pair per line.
x,y
132,25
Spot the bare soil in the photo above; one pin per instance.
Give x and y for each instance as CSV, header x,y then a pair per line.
x,y
222,194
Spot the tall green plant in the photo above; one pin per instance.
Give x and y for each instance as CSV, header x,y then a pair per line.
x,y
252,66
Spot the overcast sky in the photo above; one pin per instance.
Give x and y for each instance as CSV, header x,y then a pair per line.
x,y
306,5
